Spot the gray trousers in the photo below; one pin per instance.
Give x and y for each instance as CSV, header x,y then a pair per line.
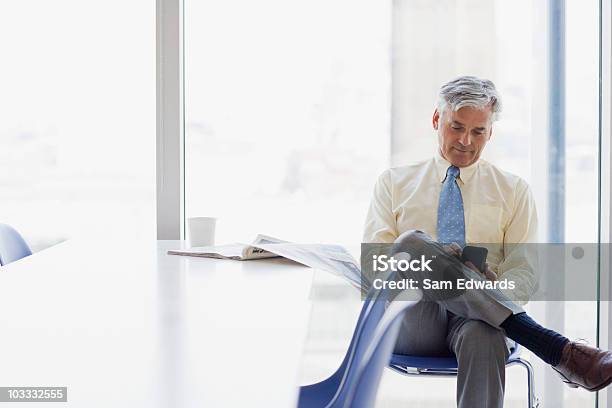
x,y
464,324
481,350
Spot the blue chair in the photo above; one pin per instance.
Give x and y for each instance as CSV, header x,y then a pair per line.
x,y
355,382
362,383
12,245
447,366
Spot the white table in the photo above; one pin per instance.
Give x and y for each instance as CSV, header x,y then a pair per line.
x,y
126,325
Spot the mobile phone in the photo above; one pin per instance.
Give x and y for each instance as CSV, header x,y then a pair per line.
x,y
476,255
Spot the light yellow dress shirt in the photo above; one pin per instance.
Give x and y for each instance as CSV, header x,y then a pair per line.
x,y
499,211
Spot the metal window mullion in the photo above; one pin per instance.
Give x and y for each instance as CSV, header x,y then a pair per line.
x,y
170,120
605,186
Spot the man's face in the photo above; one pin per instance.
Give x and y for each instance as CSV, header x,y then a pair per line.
x,y
463,134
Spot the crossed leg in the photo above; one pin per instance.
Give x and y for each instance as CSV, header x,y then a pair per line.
x,y
487,315
481,351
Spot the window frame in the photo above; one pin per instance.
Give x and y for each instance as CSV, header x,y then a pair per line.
x,y
605,185
170,160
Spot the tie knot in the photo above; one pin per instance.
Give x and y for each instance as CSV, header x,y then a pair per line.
x,y
452,171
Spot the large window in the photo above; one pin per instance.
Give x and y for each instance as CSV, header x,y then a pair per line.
x,y
77,136
287,113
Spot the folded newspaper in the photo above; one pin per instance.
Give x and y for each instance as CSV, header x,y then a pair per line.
x,y
331,258
237,252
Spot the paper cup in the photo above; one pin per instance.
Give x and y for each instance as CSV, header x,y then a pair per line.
x,y
201,231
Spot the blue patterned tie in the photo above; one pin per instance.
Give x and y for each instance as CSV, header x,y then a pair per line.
x,y
451,223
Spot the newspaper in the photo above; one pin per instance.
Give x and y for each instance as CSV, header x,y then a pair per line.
x,y
334,259
237,251
331,258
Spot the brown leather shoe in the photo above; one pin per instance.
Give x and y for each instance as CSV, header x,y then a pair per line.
x,y
585,366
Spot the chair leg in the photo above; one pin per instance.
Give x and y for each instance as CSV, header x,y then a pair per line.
x,y
532,400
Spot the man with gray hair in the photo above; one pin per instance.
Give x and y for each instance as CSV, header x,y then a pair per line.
x,y
457,198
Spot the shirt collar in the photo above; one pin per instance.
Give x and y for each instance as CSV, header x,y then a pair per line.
x,y
465,173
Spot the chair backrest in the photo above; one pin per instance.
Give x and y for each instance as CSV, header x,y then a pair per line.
x,y
362,392
12,245
367,337
350,351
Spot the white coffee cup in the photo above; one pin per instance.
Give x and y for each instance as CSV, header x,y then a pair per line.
x,y
201,231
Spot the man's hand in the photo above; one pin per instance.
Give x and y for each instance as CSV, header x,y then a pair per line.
x,y
453,249
488,273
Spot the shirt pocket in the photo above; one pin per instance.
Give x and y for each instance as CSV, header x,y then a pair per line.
x,y
417,217
485,224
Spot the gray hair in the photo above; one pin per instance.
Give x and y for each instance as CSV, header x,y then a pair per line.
x,y
470,91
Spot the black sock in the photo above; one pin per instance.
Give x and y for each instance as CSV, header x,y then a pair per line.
x,y
544,343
